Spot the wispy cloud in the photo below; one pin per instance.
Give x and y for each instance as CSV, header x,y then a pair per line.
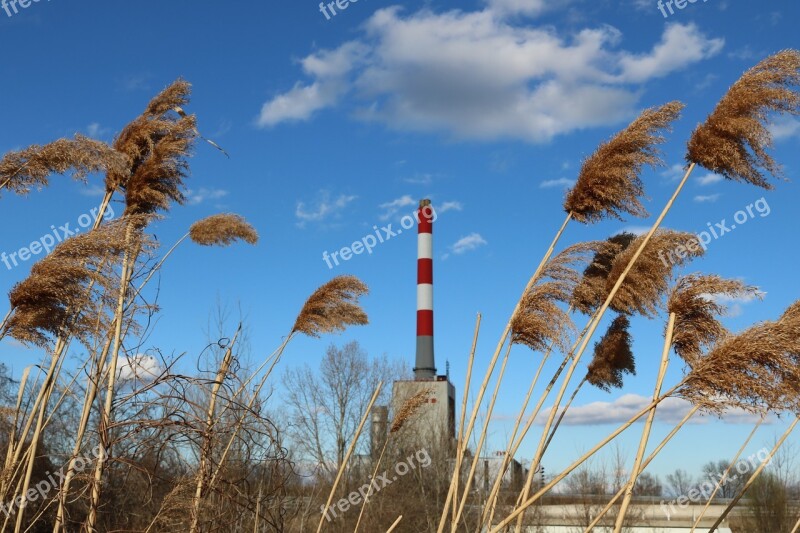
x,y
324,208
563,183
709,179
670,410
471,242
706,198
449,206
390,209
785,128
735,304
96,131
92,190
420,179
199,196
674,173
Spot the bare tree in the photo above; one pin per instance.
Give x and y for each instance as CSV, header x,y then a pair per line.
x,y
679,483
326,405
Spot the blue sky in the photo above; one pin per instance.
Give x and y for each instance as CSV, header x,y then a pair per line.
x,y
334,126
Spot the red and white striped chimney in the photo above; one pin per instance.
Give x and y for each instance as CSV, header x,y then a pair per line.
x,y
425,368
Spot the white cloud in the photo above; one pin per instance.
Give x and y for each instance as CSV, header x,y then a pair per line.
x,y
563,183
785,128
93,190
391,208
95,130
674,173
202,195
519,7
636,230
329,68
706,198
709,179
474,75
449,206
140,367
323,208
735,304
671,410
466,244
420,179
681,45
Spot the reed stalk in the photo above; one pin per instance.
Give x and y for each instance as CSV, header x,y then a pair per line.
x,y
347,455
753,476
205,453
662,372
596,322
724,477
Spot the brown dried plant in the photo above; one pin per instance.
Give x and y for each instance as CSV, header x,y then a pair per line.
x,y
613,356
734,140
648,280
757,370
409,409
157,144
22,170
49,301
609,182
332,307
591,292
222,230
540,319
697,301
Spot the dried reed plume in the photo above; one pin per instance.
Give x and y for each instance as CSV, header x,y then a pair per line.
x,y
157,144
695,301
46,303
757,370
609,182
409,409
734,139
613,357
648,280
591,292
222,230
333,307
540,320
25,169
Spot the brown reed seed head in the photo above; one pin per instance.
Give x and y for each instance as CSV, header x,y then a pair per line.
x,y
590,293
734,139
697,300
648,281
613,356
757,370
54,297
23,170
157,144
333,307
540,319
222,230
609,182
409,409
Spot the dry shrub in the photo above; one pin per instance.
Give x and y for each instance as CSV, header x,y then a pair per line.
x,y
648,280
613,356
697,300
609,182
333,307
757,370
23,170
50,301
733,141
222,230
590,293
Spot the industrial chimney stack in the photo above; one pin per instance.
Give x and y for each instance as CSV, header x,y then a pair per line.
x,y
425,368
